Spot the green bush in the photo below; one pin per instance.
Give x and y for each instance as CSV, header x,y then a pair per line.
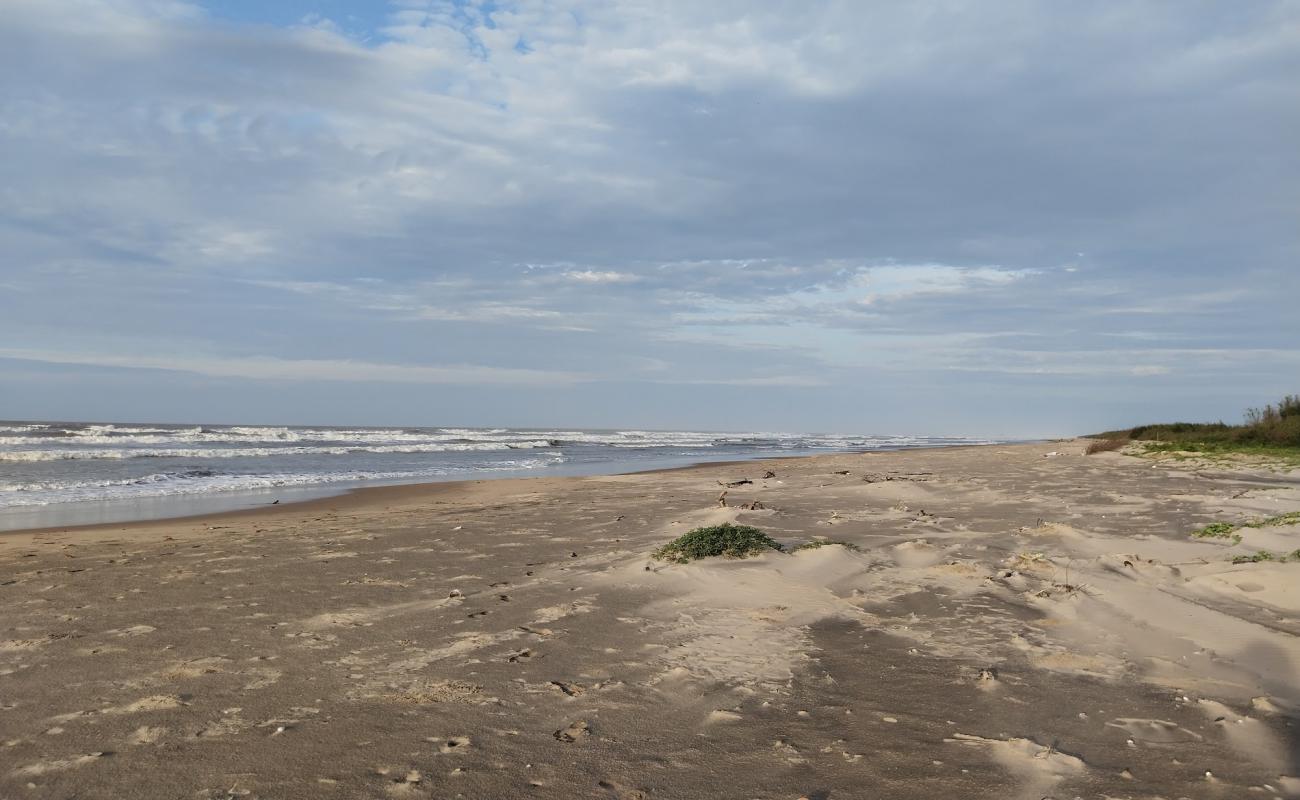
x,y
726,540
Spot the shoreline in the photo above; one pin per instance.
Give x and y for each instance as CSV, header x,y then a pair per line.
x,y
1003,621
356,495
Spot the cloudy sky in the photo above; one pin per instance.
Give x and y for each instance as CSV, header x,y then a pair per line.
x,y
1019,218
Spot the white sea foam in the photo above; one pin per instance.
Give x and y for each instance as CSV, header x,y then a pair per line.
x,y
190,482
124,436
47,463
61,454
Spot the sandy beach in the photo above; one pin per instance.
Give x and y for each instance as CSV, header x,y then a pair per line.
x,y
1007,622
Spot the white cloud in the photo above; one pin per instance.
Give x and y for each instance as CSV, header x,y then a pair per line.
x,y
283,369
849,291
874,187
485,312
765,380
600,276
900,281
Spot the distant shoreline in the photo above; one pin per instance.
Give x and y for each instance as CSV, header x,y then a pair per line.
x,y
340,496
56,474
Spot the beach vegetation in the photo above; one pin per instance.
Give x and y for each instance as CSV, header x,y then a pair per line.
x,y
1265,555
1216,530
816,543
1289,518
1272,430
1105,446
1228,530
1262,555
726,540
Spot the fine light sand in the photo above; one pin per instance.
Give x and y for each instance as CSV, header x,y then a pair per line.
x,y
1016,622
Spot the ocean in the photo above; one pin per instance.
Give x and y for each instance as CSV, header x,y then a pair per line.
x,y
64,473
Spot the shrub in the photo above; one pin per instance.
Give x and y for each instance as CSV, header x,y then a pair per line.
x,y
726,540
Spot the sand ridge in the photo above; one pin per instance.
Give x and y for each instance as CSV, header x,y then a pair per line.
x,y
1009,621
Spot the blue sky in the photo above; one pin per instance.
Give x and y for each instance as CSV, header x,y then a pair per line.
x,y
1018,218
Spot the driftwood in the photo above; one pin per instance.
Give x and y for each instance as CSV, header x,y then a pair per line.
x,y
722,500
734,484
769,474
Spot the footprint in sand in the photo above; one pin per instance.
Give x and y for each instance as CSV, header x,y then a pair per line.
x,y
622,792
722,715
146,734
58,765
577,730
230,723
452,744
404,784
790,752
569,689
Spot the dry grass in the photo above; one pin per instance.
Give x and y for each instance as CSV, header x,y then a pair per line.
x,y
1105,445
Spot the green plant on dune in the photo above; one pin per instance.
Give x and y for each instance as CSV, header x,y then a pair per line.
x,y
726,540
1262,555
1228,530
1215,530
816,543
1289,518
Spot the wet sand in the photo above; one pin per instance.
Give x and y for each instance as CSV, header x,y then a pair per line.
x,y
1012,622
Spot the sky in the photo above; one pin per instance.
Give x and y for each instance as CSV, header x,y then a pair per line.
x,y
937,217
